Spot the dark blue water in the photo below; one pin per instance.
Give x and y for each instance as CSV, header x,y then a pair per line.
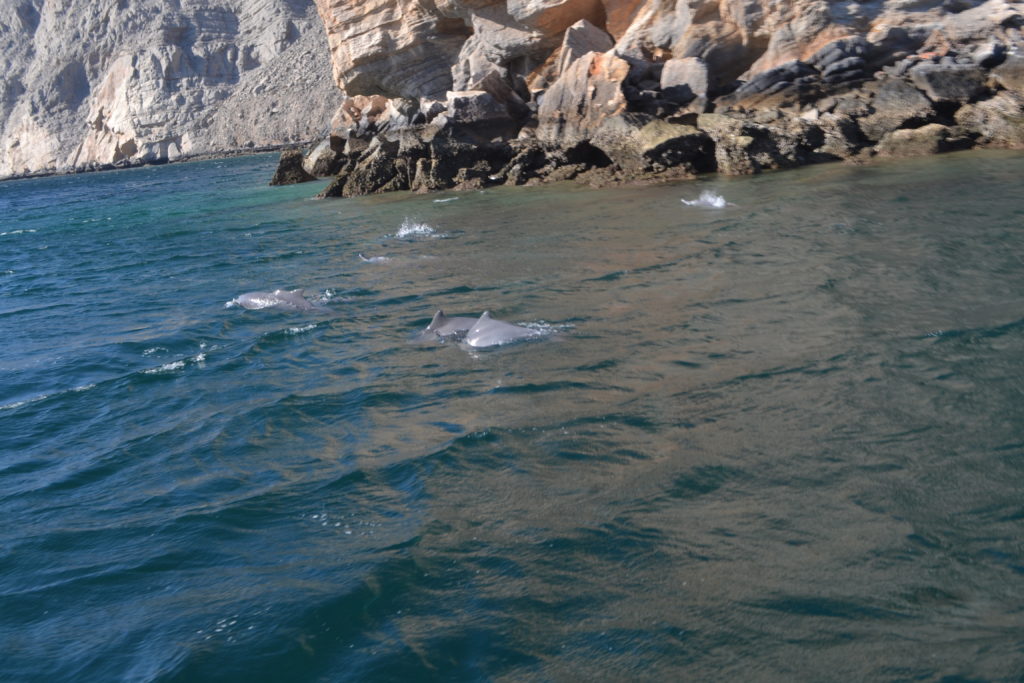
x,y
779,440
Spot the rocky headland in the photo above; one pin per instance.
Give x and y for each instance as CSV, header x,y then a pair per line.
x,y
90,84
468,93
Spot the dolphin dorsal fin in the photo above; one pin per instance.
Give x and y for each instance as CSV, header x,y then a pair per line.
x,y
438,320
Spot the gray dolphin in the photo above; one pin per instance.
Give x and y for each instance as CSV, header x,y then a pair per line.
x,y
488,331
443,327
279,298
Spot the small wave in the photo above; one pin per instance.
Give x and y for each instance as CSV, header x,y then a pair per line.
x,y
173,366
16,232
43,397
443,201
411,228
18,404
708,199
166,367
374,259
303,328
154,349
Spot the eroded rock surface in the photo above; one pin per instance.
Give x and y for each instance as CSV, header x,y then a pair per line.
x,y
465,93
90,84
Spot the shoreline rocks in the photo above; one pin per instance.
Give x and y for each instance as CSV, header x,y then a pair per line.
x,y
609,116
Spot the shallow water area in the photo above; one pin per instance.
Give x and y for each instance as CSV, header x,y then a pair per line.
x,y
778,436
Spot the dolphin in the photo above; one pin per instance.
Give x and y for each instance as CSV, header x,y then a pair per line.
x,y
279,298
443,327
488,331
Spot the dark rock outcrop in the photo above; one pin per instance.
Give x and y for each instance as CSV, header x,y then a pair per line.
x,y
289,169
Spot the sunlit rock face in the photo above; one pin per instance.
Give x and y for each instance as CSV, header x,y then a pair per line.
x,y
417,48
89,83
469,93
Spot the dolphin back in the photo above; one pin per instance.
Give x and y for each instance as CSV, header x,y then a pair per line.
x,y
279,299
489,331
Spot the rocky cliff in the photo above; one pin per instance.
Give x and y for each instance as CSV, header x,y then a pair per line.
x,y
443,93
91,83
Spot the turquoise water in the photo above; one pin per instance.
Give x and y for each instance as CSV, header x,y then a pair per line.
x,y
778,440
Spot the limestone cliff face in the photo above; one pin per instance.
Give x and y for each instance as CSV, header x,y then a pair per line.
x,y
471,93
416,48
88,83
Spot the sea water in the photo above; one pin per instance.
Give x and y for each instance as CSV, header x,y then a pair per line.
x,y
777,434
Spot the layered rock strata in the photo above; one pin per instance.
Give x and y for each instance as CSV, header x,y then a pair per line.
x,y
465,93
90,84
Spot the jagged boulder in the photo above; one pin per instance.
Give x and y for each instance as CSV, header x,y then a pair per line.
x,y
839,51
789,83
289,169
998,121
326,158
684,79
929,139
360,115
949,82
639,144
554,16
581,38
743,147
895,105
1010,74
586,95
842,138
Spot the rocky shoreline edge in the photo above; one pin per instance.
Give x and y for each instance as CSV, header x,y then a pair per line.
x,y
140,162
608,118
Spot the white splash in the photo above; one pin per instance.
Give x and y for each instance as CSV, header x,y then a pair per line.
x,y
708,199
155,349
442,201
411,228
15,232
300,330
375,259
